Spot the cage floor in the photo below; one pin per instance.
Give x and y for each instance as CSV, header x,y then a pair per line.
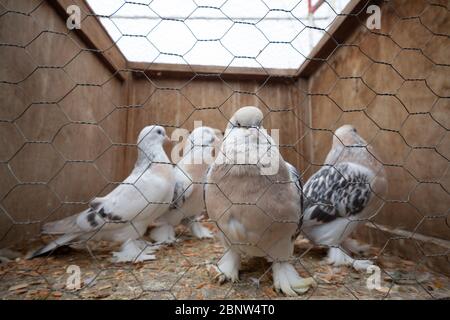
x,y
181,271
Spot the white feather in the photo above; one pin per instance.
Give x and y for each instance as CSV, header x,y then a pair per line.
x,y
135,251
126,211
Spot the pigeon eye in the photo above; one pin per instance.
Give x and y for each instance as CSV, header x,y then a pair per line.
x,y
159,131
238,124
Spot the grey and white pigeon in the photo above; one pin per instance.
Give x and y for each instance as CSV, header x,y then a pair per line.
x,y
252,197
345,192
188,203
124,214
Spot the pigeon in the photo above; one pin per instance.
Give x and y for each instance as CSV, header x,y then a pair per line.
x,y
124,214
188,204
255,203
347,190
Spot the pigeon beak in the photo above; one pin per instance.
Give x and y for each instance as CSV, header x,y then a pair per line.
x,y
167,139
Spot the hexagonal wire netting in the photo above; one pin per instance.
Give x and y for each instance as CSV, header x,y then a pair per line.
x,y
70,115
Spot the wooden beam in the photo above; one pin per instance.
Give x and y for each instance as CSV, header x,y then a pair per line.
x,y
339,31
411,235
95,36
164,70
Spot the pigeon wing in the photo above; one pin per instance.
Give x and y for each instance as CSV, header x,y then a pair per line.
x,y
336,191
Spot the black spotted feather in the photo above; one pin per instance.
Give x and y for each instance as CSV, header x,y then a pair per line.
x,y
179,196
336,191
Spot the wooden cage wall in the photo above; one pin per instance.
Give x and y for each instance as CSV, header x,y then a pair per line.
x,y
70,103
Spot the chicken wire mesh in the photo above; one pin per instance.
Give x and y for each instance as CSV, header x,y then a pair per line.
x,y
69,126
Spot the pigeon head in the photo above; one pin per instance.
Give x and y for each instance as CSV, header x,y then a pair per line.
x,y
200,145
247,117
150,137
204,137
347,135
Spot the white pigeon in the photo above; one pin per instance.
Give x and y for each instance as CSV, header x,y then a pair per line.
x,y
125,213
252,195
345,192
188,202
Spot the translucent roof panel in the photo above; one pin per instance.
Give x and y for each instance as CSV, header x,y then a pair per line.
x,y
251,33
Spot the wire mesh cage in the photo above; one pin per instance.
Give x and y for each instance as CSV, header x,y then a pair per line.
x,y
81,83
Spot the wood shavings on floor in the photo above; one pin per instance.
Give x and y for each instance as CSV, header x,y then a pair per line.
x,y
180,271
